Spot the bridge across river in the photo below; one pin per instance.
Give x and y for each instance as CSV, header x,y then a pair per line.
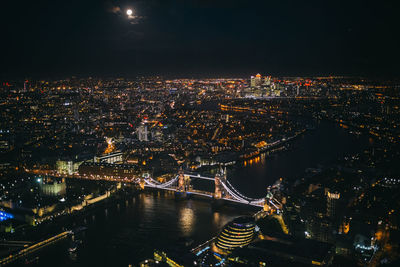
x,y
223,189
23,253
182,183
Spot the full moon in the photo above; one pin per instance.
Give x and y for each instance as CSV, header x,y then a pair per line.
x,y
129,12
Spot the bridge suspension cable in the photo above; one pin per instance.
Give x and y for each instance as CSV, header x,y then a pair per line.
x,y
231,190
152,183
252,200
233,194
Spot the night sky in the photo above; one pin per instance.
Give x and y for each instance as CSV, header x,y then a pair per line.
x,y
192,38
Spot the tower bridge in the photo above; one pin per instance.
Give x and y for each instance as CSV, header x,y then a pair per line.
x,y
224,190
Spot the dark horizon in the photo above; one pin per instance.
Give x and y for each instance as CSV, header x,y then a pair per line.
x,y
392,80
199,38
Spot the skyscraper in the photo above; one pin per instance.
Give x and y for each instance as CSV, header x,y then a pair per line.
x,y
332,203
25,86
255,81
142,133
267,80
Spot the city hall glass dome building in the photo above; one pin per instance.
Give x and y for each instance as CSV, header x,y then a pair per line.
x,y
237,233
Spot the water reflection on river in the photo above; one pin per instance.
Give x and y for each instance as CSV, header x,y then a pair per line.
x,y
314,149
128,234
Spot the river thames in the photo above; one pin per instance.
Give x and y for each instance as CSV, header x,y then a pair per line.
x,y
127,231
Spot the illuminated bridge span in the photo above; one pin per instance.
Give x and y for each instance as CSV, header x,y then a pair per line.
x,y
181,183
32,248
223,189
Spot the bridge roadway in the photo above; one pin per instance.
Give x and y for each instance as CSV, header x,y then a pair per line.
x,y
30,249
202,193
200,177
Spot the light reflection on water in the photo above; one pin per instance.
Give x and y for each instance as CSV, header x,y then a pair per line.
x,y
256,160
130,233
313,149
186,221
216,218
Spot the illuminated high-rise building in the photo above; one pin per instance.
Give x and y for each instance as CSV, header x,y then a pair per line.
x,y
252,81
267,80
255,81
332,203
25,86
142,133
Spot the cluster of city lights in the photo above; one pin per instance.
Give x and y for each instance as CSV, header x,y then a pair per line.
x,y
5,216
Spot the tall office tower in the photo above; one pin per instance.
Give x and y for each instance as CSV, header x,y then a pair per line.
x,y
142,133
252,81
76,112
332,203
255,81
25,86
267,80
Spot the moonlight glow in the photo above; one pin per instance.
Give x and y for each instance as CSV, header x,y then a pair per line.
x,y
129,12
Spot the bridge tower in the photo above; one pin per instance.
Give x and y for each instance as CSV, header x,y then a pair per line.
x,y
218,185
267,206
141,183
219,179
181,181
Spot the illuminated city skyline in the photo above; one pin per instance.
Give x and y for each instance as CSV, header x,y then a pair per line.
x,y
199,133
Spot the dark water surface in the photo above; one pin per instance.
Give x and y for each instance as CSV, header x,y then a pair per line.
x,y
128,231
314,149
